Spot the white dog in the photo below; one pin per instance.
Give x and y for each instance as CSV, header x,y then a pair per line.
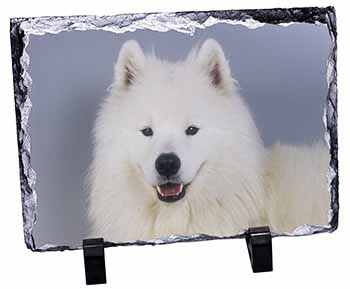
x,y
177,152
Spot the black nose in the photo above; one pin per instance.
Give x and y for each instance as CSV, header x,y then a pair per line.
x,y
168,164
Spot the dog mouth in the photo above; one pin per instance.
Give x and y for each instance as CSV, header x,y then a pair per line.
x,y
171,192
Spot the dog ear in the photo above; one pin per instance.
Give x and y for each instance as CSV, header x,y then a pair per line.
x,y
129,65
213,63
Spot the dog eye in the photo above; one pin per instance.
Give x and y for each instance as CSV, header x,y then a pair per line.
x,y
147,131
192,130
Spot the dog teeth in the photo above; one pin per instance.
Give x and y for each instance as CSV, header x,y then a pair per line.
x,y
177,193
181,187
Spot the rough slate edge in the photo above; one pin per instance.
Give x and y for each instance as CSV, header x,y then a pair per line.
x,y
22,87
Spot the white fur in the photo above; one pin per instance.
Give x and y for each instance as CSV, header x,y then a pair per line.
x,y
297,181
225,163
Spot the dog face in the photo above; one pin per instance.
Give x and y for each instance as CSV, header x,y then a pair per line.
x,y
176,121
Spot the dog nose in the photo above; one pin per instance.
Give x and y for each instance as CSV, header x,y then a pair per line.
x,y
168,164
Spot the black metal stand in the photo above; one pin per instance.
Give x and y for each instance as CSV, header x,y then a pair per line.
x,y
259,243
94,260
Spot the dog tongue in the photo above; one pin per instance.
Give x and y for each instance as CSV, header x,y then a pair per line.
x,y
170,189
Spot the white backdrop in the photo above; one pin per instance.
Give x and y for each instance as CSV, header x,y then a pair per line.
x,y
318,261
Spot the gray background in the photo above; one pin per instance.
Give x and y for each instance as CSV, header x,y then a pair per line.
x,y
281,71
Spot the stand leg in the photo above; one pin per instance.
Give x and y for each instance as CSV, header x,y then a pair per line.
x,y
259,243
94,260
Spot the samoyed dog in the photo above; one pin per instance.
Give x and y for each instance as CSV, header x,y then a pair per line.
x,y
177,152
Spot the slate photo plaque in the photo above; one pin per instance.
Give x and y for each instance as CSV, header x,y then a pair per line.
x,y
173,127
